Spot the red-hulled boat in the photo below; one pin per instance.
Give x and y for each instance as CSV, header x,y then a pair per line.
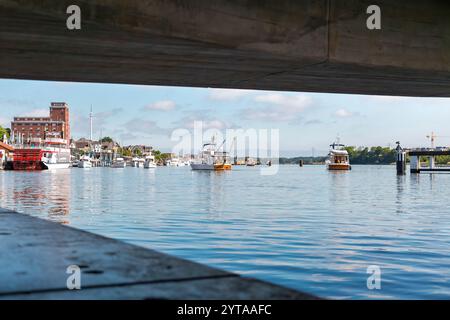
x,y
28,159
51,153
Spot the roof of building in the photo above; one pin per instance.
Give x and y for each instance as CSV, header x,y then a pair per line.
x,y
58,105
6,146
15,121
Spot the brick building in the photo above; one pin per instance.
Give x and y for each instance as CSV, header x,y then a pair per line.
x,y
57,125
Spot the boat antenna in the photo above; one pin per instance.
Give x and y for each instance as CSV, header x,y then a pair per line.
x,y
221,145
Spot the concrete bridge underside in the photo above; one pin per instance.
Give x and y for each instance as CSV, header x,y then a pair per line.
x,y
291,45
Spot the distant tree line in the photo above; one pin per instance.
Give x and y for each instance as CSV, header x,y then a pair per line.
x,y
383,155
365,155
358,155
372,155
306,160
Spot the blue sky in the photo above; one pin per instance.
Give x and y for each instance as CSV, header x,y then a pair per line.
x,y
135,114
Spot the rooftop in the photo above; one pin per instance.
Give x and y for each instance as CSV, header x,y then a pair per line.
x,y
6,146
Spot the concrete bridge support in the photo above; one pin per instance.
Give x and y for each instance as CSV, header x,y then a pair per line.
x,y
313,45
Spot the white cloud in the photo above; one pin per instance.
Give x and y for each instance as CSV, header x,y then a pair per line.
x,y
343,113
206,116
4,122
296,102
108,114
163,105
212,124
409,101
80,122
313,122
278,107
148,127
227,94
37,113
188,123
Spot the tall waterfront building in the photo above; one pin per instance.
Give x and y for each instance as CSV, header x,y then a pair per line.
x,y
56,125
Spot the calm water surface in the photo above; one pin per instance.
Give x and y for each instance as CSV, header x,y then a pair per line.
x,y
304,228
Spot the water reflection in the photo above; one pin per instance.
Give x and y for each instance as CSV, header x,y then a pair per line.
x,y
306,228
46,191
208,190
400,193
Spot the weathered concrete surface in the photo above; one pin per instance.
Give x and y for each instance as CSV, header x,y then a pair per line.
x,y
34,256
313,45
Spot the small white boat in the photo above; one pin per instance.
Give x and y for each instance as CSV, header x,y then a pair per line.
x,y
250,162
52,162
149,162
137,162
175,162
85,162
181,164
57,165
119,163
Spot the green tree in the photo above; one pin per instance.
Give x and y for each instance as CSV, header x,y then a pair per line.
x,y
160,157
125,152
442,160
106,139
4,131
373,155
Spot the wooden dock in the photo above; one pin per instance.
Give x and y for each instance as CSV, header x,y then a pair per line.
x,y
35,255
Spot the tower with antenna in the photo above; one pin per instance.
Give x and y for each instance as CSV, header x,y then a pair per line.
x,y
91,116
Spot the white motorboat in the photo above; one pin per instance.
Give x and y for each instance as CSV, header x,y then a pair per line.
x,y
137,162
338,157
119,163
52,165
175,162
250,162
56,154
85,162
181,163
149,162
210,159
